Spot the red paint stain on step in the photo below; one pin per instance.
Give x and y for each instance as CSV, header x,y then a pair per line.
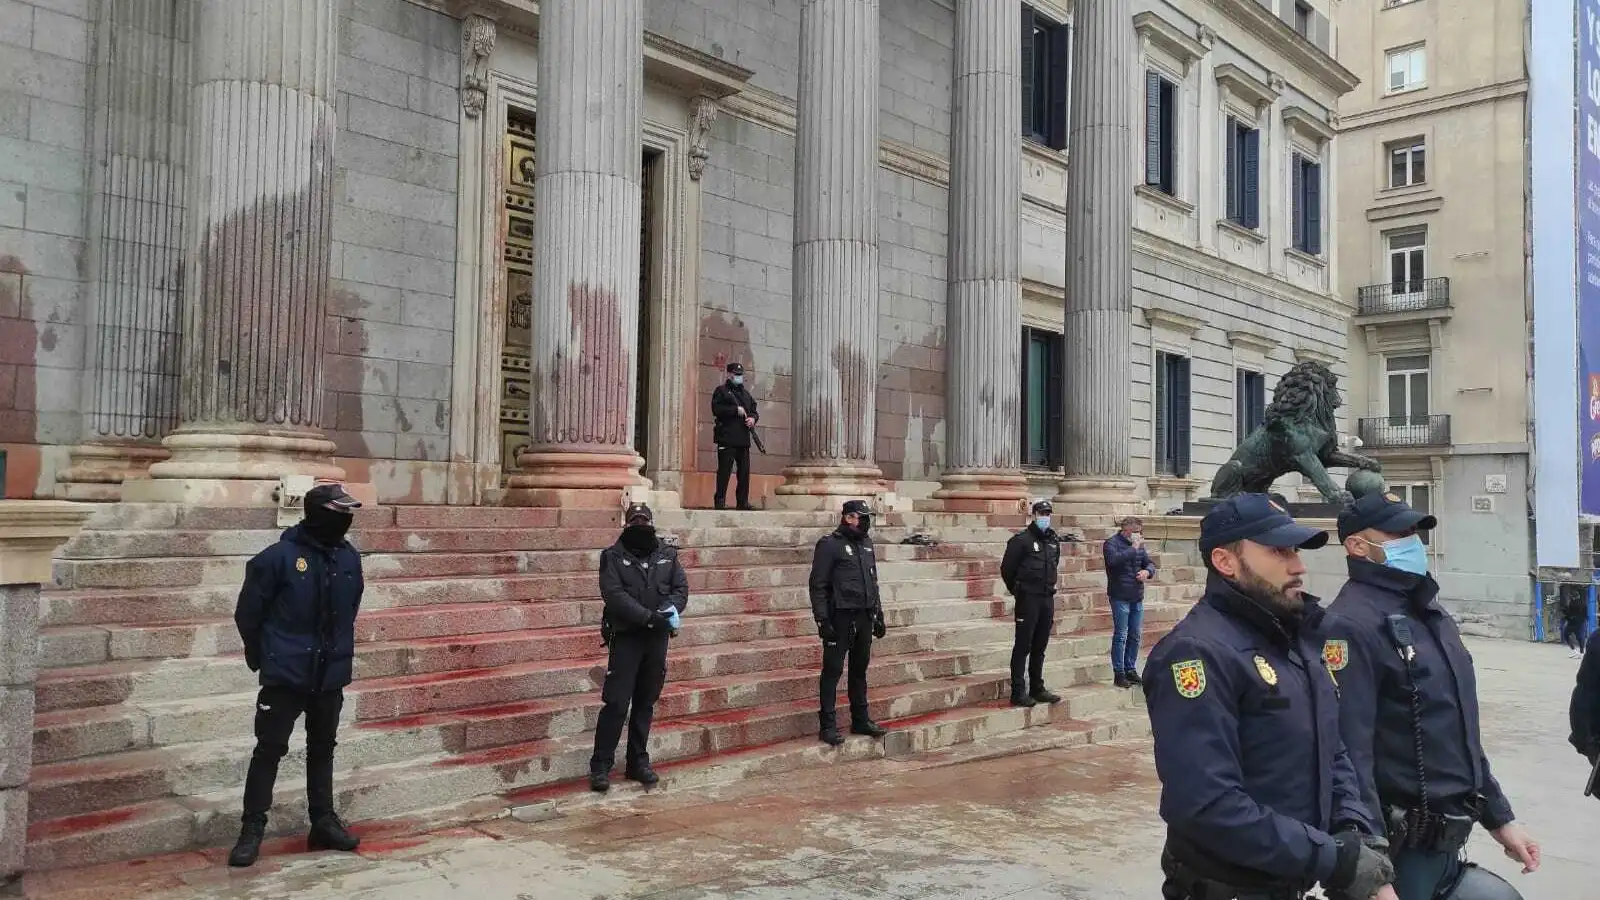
x,y
71,825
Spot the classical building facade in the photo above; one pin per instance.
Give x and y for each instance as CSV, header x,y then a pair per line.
x,y
469,252
1434,256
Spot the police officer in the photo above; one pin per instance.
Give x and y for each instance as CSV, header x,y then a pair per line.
x,y
297,620
734,413
1029,569
849,614
1258,795
1583,711
644,590
1409,712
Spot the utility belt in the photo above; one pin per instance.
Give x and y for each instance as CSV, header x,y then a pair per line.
x,y
1431,831
1185,882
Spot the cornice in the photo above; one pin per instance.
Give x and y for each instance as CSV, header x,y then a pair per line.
x,y
1261,22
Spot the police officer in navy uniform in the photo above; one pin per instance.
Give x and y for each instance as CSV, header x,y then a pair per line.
x,y
849,614
297,620
1409,714
734,413
1258,795
644,588
1030,567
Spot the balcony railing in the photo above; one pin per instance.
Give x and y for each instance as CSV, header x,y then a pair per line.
x,y
1403,296
1405,431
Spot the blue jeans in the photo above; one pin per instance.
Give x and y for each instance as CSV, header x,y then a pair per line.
x,y
1417,875
1127,623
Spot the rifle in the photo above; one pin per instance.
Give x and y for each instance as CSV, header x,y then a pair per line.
x,y
755,438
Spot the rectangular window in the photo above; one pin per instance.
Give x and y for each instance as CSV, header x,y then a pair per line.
x,y
1042,361
1250,403
1407,164
1302,18
1408,390
1171,446
1046,55
1420,498
1306,206
1408,68
1244,174
1408,261
1160,133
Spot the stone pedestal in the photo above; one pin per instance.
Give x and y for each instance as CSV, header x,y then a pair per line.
x,y
835,258
97,471
261,125
1099,329
586,234
30,530
984,307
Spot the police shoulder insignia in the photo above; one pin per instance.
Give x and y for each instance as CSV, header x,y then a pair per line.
x,y
1266,671
1336,653
300,564
1036,546
1190,677
848,551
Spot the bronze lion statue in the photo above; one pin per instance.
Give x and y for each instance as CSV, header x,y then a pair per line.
x,y
1299,435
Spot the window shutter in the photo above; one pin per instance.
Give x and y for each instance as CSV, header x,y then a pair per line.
x,y
1241,406
1234,212
1028,87
1055,396
1180,415
1060,48
1152,129
1252,178
1296,201
1313,179
1158,447
1024,439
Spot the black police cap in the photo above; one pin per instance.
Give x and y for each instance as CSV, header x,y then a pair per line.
x,y
856,507
331,496
1259,519
1384,512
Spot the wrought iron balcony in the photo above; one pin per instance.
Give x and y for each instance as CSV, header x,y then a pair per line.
x,y
1403,296
1390,432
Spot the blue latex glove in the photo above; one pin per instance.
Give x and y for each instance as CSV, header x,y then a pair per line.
x,y
674,618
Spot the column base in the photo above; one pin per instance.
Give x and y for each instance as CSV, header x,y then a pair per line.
x,y
97,470
567,470
819,486
216,467
1097,496
989,491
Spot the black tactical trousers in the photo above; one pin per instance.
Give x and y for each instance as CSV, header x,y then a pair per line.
x,y
727,459
635,673
1036,618
277,709
853,631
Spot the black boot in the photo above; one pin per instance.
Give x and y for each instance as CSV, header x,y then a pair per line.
x,y
1023,700
600,782
828,730
643,774
328,833
1133,677
1121,680
1043,694
248,848
866,726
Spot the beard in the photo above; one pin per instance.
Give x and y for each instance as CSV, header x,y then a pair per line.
x,y
1286,599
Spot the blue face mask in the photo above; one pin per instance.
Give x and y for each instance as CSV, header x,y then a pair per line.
x,y
1043,522
1408,554
738,379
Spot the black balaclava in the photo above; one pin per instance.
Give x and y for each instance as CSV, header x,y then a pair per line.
x,y
639,538
326,526
858,530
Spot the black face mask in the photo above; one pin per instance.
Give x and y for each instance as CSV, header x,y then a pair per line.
x,y
862,526
639,539
327,527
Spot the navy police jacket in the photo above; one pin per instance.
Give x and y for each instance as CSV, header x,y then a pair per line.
x,y
634,588
297,613
1376,708
1254,778
1124,562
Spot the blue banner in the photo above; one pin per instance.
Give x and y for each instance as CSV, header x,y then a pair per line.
x,y
1588,202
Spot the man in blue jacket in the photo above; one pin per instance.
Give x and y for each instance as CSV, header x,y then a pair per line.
x,y
297,619
1128,568
1409,710
1257,792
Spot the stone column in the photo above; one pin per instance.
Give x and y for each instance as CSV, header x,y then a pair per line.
x,y
261,126
1099,329
835,257
29,532
586,254
983,310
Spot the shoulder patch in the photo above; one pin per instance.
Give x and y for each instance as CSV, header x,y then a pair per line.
x,y
1336,653
1265,670
1190,677
300,564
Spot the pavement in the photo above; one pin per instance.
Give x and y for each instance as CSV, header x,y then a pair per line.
x,y
1055,824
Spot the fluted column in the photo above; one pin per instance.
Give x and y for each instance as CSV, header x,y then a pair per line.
x,y
1099,304
261,139
586,247
983,309
835,255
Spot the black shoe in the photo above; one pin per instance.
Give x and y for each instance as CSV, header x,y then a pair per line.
x,y
1121,681
868,727
1133,678
248,849
328,833
1023,700
600,782
643,774
719,505
828,730
1043,695
745,507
